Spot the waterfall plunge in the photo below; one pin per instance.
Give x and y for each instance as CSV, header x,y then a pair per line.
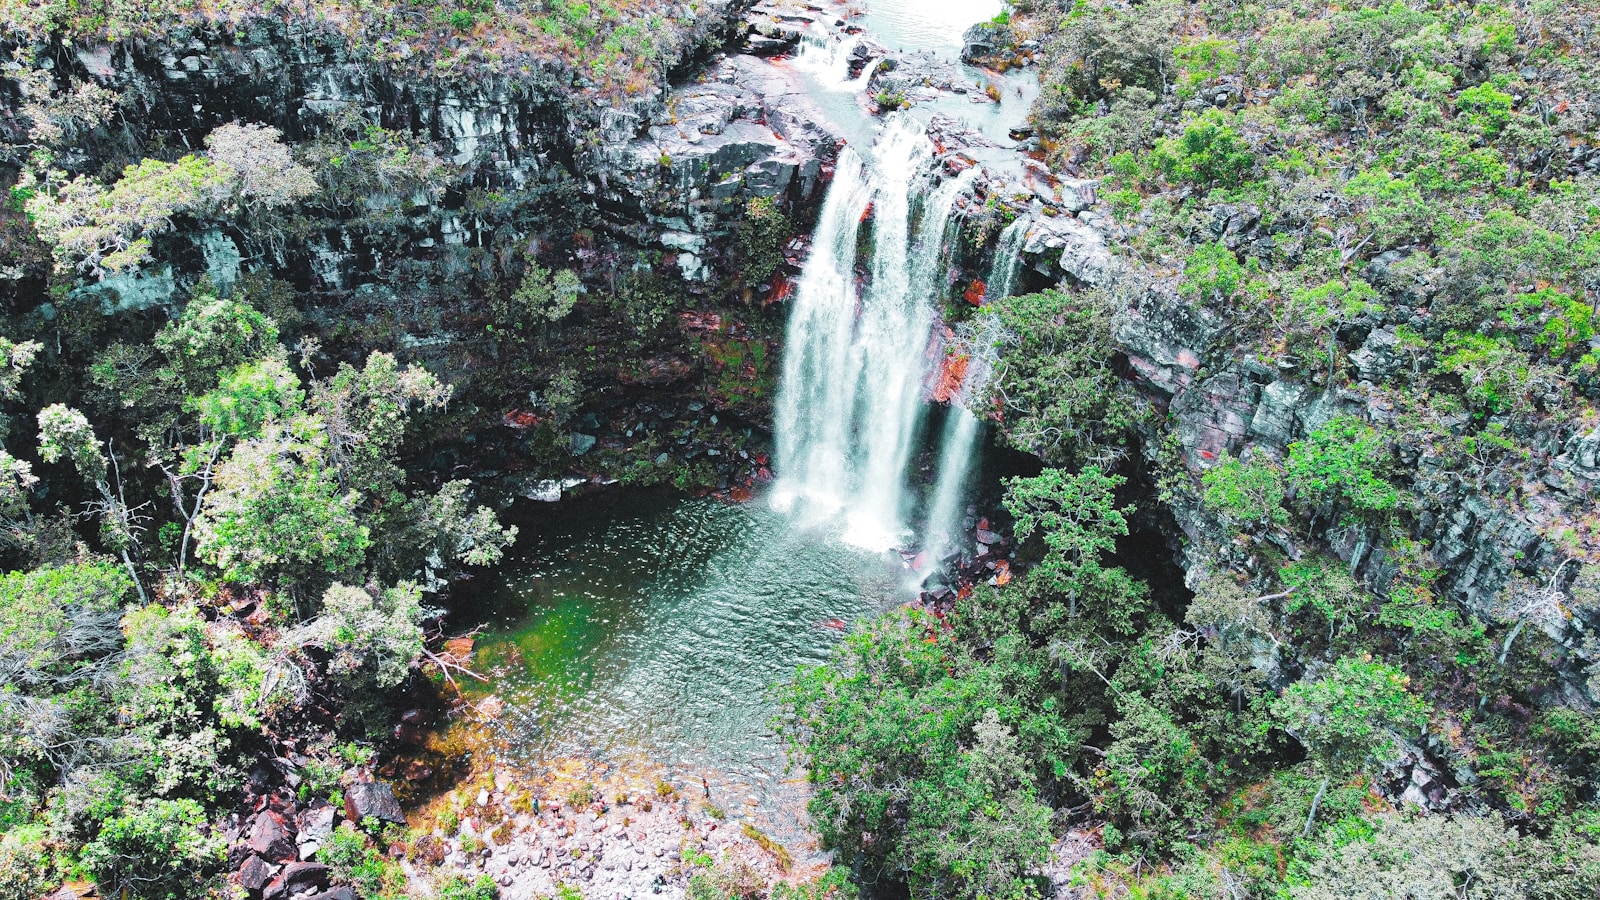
x,y
850,402
1007,260
978,340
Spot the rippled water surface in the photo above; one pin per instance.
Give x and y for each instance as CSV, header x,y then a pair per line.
x,y
910,25
650,625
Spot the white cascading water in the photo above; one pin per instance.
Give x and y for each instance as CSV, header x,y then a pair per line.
x,y
1007,260
978,340
850,401
828,58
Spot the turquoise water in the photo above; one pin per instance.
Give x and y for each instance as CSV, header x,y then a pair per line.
x,y
936,25
651,626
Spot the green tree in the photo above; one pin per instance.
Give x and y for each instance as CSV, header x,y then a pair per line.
x,y
276,514
1061,398
1355,714
1341,462
1077,518
65,434
915,774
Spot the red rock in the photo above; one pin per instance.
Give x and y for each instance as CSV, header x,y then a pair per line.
x,y
952,375
255,873
271,838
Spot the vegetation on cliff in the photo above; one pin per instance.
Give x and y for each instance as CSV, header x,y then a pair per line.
x,y
622,47
1387,205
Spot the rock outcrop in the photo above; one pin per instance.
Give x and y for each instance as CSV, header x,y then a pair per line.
x,y
507,153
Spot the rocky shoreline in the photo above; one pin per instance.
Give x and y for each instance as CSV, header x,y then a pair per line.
x,y
635,837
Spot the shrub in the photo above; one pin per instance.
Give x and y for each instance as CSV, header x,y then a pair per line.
x,y
1495,376
1338,462
155,851
24,869
457,887
758,240
1246,493
1460,856
1212,273
1209,153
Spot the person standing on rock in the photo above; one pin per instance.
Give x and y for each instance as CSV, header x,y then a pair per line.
x,y
705,786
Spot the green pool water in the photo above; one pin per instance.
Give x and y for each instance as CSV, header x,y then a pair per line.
x,y
651,626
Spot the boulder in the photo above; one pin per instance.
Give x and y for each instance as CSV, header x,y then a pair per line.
x,y
372,800
255,873
338,893
298,878
271,838
986,39
316,824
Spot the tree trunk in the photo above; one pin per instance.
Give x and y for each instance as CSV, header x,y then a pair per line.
x,y
1315,802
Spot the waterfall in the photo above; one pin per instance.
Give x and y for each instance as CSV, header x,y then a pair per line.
x,y
962,428
978,341
864,80
1007,260
960,439
828,58
850,402
815,404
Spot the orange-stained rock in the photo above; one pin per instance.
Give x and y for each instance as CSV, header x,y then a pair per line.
x,y
952,374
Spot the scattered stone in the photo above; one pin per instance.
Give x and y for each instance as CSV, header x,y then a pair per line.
x,y
255,873
374,800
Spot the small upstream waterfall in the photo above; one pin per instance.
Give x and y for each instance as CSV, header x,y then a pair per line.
x,y
828,58
850,403
1007,260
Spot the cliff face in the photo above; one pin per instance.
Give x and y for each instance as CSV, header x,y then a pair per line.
x,y
1218,403
518,161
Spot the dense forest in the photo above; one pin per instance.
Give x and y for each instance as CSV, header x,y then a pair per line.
x,y
1390,207
274,367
